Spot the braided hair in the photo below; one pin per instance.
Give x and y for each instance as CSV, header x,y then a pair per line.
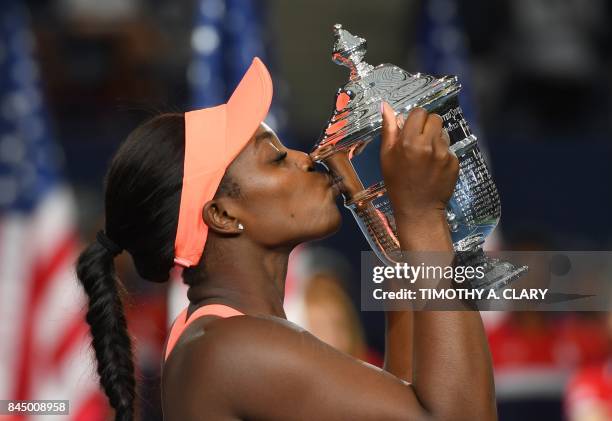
x,y
142,198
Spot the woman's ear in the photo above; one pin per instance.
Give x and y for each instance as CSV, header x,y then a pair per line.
x,y
218,214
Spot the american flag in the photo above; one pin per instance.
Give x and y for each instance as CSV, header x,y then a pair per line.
x,y
44,340
227,34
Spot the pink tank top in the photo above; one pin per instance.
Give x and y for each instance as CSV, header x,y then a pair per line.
x,y
180,323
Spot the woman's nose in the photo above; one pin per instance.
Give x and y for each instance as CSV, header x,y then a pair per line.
x,y
304,162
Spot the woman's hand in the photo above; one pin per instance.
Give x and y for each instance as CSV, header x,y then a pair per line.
x,y
418,168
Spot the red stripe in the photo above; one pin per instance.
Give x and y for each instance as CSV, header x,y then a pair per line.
x,y
93,408
72,335
42,273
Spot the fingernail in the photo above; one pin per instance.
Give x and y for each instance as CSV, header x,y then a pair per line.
x,y
400,120
381,107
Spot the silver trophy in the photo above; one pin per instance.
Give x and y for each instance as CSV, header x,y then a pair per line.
x,y
349,148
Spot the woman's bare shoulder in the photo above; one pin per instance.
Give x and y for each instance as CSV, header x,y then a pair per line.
x,y
252,349
210,343
254,362
220,338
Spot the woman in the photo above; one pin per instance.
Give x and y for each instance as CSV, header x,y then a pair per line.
x,y
216,192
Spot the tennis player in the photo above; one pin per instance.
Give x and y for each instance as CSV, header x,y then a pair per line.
x,y
215,192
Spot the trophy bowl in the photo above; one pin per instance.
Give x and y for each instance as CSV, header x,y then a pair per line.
x,y
349,147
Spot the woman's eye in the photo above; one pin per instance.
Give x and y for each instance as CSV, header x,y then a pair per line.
x,y
280,157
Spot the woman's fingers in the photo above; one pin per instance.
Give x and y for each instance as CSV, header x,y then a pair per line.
x,y
390,130
441,145
414,126
433,126
401,119
420,172
446,136
420,130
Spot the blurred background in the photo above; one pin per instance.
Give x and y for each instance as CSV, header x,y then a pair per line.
x,y
76,76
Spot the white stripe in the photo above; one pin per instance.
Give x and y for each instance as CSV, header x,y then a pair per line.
x,y
51,221
13,293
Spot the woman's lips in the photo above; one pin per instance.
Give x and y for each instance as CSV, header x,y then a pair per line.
x,y
335,182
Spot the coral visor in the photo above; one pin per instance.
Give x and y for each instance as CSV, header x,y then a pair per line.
x,y
213,138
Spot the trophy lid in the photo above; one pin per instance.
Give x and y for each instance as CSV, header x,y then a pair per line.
x,y
356,117
349,51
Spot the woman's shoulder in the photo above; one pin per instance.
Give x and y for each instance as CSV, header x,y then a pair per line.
x,y
268,367
209,343
234,353
221,336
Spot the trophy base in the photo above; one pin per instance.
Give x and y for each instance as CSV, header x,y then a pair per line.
x,y
497,273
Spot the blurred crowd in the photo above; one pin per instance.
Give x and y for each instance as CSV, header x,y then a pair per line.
x,y
539,76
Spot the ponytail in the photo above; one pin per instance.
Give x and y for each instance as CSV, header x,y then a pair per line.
x,y
142,198
106,318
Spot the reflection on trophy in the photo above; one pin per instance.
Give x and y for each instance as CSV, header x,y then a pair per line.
x,y
349,148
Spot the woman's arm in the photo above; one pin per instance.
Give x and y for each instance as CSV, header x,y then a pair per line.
x,y
399,339
452,364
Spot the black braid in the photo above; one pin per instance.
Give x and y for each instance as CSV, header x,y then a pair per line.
x,y
110,339
142,200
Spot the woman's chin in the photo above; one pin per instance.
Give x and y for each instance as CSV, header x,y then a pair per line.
x,y
333,224
326,224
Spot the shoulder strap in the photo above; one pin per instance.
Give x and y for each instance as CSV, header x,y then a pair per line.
x,y
180,323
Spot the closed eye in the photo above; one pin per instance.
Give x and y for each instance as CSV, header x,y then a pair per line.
x,y
281,156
